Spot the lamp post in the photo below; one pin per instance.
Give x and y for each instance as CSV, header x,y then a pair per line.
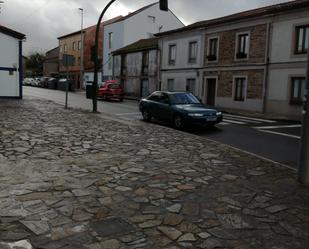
x,y
81,77
163,6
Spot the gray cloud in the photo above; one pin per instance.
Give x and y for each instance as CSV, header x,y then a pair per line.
x,y
44,20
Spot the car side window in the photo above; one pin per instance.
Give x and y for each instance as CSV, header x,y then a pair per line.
x,y
155,97
164,99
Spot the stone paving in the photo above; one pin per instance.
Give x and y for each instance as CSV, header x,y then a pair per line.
x,y
72,179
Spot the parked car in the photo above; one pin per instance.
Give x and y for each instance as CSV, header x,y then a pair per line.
x,y
44,82
27,81
62,84
52,83
179,108
110,89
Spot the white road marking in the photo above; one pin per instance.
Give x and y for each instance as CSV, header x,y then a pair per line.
x,y
249,118
245,120
280,134
277,127
224,123
233,121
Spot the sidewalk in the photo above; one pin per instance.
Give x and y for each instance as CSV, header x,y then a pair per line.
x,y
72,179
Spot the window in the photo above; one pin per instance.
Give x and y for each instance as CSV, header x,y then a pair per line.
x,y
79,45
212,49
151,19
242,46
110,40
190,86
302,39
74,46
145,63
155,97
170,85
78,61
65,48
240,88
192,52
172,54
61,49
123,65
298,90
110,62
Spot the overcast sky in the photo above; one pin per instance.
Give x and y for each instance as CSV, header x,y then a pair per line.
x,y
44,20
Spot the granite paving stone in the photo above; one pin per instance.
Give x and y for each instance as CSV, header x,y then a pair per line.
x,y
67,180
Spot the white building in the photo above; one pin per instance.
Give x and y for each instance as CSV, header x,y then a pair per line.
x,y
11,68
288,59
140,24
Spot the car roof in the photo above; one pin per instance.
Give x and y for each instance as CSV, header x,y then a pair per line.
x,y
170,93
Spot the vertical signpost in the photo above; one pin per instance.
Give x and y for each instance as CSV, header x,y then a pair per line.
x,y
67,61
303,171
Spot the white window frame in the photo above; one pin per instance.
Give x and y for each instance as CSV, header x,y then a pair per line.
x,y
208,48
248,47
197,51
110,40
245,88
168,54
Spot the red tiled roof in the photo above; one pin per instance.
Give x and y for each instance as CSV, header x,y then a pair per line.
x,y
11,32
264,11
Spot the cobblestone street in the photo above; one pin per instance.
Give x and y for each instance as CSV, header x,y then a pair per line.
x,y
72,179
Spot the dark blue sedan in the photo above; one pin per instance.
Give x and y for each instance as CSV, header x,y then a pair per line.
x,y
179,108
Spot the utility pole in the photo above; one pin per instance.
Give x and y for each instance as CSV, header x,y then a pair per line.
x,y
81,77
163,7
303,171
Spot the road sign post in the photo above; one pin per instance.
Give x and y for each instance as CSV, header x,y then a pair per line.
x,y
303,171
67,61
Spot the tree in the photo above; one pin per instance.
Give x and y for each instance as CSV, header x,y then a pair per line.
x,y
34,63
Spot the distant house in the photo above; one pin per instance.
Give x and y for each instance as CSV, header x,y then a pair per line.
x,y
140,24
51,63
71,44
11,63
136,66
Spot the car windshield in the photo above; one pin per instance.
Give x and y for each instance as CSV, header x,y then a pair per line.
x,y
183,99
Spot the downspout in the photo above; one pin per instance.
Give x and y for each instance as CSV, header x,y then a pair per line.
x,y
267,59
159,63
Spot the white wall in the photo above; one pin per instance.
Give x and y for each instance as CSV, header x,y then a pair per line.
x,y
118,42
9,58
180,80
138,26
283,37
182,50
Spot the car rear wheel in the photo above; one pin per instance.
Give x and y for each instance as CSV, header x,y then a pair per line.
x,y
146,115
178,122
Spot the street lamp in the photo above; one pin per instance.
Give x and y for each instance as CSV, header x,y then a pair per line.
x,y
163,6
81,77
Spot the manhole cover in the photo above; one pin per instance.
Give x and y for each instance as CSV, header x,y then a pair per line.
x,y
112,226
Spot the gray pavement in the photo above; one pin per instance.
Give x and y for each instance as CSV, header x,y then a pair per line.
x,y
275,140
73,179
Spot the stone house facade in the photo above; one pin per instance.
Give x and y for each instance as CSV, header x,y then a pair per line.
x,y
136,67
249,60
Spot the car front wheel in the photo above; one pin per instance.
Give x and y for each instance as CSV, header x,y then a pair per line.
x,y
178,122
146,115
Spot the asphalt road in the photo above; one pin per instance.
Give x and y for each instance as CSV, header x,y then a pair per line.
x,y
272,139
